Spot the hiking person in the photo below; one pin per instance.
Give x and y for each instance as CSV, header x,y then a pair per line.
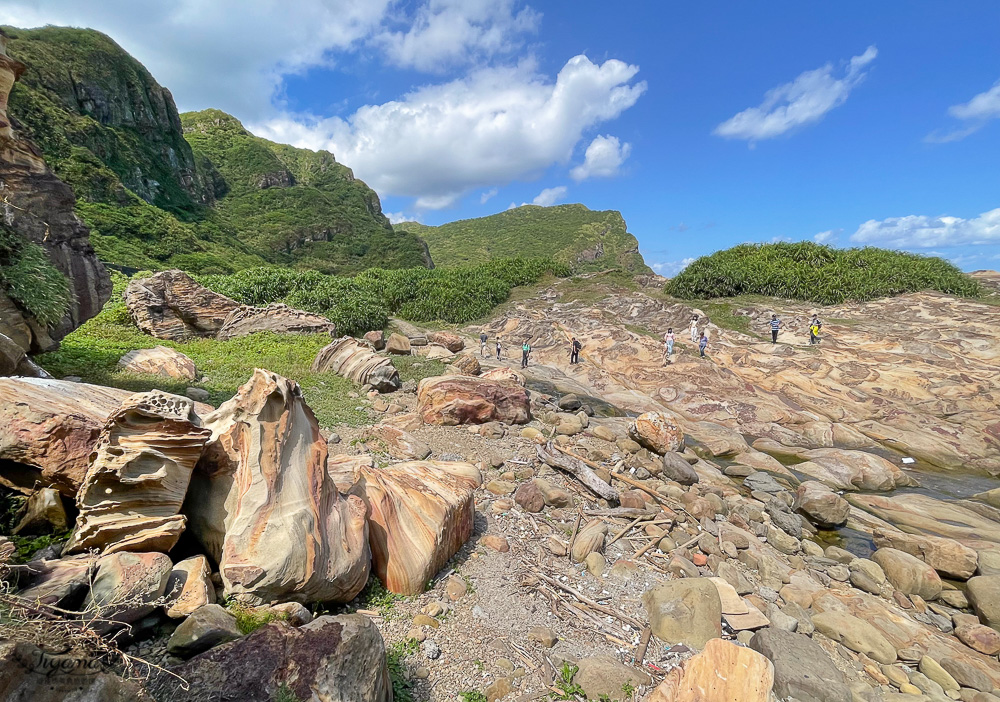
x,y
815,325
574,351
498,348
775,326
668,342
703,344
525,352
694,329
483,338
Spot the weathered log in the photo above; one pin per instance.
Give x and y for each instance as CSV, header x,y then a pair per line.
x,y
577,469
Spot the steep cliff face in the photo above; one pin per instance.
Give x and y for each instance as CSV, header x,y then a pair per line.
x,y
50,278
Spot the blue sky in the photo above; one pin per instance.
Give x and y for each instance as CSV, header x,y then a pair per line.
x,y
706,125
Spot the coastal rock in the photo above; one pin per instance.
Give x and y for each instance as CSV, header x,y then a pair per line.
x,y
264,506
451,341
802,669
189,587
843,469
656,431
356,362
677,469
60,583
604,677
385,438
398,344
908,574
856,634
722,671
946,556
131,496
503,374
984,595
821,505
28,675
449,400
589,540
419,515
276,318
43,513
376,339
159,360
466,364
206,628
171,305
126,587
685,611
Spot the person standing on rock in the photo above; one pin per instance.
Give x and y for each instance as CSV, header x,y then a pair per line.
x,y
775,326
525,352
668,341
703,344
694,329
499,347
483,338
574,351
814,327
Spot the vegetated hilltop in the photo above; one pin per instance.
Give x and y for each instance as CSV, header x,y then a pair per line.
x,y
223,202
582,238
816,273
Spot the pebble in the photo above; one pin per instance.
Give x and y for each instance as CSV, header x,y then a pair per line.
x,y
424,620
422,672
456,588
430,649
416,634
543,635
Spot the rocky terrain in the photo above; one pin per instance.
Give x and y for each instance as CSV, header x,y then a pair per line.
x,y
770,522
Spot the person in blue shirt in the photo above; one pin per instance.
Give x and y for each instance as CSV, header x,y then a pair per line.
x,y
703,344
775,326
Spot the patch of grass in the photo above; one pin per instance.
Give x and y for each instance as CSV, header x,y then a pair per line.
x,y
594,288
285,694
396,654
643,331
30,279
722,313
472,696
249,619
417,368
376,596
568,690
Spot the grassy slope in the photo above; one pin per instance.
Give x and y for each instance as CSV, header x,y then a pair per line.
x,y
562,232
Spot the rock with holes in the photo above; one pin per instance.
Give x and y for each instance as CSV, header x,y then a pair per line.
x,y
264,506
131,497
355,361
161,361
452,399
275,318
171,305
419,514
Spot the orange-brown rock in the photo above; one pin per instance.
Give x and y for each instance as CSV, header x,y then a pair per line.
x,y
376,339
722,672
466,364
503,374
276,318
189,587
450,399
159,360
264,506
450,340
385,438
657,431
171,305
420,513
138,476
398,344
355,361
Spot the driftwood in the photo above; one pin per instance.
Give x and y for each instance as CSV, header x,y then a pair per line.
x,y
555,457
624,513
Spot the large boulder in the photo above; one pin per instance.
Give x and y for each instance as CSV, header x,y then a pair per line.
x,y
14,361
685,611
171,305
207,627
723,671
984,596
385,438
126,588
419,515
189,587
802,669
656,431
450,340
264,507
159,360
331,659
821,505
31,673
355,361
450,399
908,574
131,497
276,318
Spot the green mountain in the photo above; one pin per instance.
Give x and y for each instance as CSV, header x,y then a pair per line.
x,y
196,192
573,234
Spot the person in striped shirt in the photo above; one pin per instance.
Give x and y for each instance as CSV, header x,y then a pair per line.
x,y
775,326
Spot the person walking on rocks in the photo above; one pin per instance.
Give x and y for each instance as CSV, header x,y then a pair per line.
x,y
668,342
694,329
483,338
499,346
814,327
574,351
775,326
525,352
703,344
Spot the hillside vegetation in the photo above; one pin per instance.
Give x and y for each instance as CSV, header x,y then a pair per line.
x,y
202,193
815,273
583,239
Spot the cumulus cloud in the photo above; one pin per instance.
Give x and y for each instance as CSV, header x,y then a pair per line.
x,y
550,196
492,127
826,237
603,158
671,268
230,54
397,217
446,33
922,231
975,113
803,101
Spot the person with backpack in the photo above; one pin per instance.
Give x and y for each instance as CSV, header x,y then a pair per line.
x,y
703,344
483,338
775,326
574,351
668,342
525,352
815,325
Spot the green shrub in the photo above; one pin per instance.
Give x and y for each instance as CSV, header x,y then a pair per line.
x,y
250,619
396,660
816,273
28,278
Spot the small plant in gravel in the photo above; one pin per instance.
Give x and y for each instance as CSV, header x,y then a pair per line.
x,y
285,694
568,690
472,696
628,688
375,596
250,619
396,660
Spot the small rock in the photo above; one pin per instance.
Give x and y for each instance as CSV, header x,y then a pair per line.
x,y
197,394
416,634
456,588
425,620
207,627
543,635
496,543
595,564
422,672
430,649
498,689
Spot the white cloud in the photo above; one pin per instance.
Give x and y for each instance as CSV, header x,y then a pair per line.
x,y
487,196
671,268
603,158
494,126
975,114
921,231
825,237
550,196
803,101
397,217
445,33
230,54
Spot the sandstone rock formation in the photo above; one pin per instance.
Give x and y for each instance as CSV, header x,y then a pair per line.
x,y
466,364
139,472
28,675
277,318
189,587
171,305
43,513
38,210
159,360
450,340
656,431
385,438
688,611
263,505
451,400
722,671
398,344
419,514
355,361
126,588
376,339
503,374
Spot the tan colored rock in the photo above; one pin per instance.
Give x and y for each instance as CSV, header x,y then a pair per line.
x,y
126,587
685,611
385,438
376,339
450,340
856,634
171,305
466,364
451,400
60,583
159,360
435,352
947,556
589,540
43,513
722,672
189,587
822,505
843,469
984,596
398,344
276,318
356,362
503,374
979,638
656,431
131,497
908,574
264,506
420,514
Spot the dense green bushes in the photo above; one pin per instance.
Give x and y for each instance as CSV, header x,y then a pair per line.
x,y
815,273
28,277
366,301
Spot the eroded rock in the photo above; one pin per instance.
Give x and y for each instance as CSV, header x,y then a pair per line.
x,y
276,318
159,360
657,431
171,305
355,361
450,400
